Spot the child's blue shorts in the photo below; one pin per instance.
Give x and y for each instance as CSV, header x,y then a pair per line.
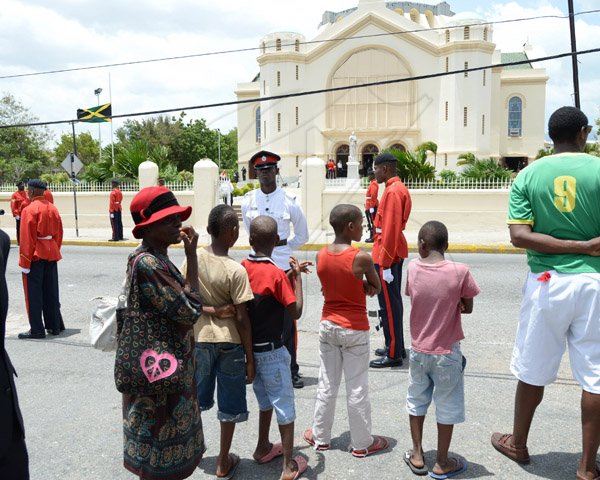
x,y
439,378
273,384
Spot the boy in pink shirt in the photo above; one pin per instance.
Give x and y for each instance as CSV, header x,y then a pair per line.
x,y
439,290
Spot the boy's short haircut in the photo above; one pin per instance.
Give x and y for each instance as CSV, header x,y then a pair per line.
x,y
262,229
342,215
565,123
434,234
222,218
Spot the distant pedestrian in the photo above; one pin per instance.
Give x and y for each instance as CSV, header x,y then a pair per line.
x,y
236,176
41,240
371,204
344,335
330,168
115,208
244,174
439,290
223,338
273,295
18,201
162,433
14,462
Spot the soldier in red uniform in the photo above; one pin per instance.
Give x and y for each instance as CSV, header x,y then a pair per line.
x,y
389,251
18,201
114,209
371,204
41,239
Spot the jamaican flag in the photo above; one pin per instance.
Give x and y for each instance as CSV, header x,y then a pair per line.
x,y
97,114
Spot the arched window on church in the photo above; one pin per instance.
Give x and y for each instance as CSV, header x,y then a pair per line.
x,y
257,123
398,146
515,117
369,152
341,155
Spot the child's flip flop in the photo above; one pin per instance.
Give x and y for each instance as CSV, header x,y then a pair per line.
x,y
276,451
413,468
461,466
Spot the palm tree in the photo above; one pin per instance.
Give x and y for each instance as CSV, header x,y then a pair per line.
x,y
429,147
467,159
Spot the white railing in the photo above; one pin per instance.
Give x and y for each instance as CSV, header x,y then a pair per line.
x,y
102,187
437,184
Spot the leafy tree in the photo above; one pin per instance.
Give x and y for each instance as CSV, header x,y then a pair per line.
x,y
429,147
486,169
413,165
544,152
87,147
448,176
22,149
466,159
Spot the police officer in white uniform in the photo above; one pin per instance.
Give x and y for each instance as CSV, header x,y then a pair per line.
x,y
286,211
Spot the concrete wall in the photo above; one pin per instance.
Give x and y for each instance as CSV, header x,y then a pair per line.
x,y
92,208
477,211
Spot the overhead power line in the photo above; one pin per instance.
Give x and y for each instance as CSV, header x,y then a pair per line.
x,y
322,90
310,42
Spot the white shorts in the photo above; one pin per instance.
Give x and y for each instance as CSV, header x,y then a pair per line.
x,y
563,310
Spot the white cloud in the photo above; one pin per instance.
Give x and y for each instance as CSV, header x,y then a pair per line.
x,y
36,37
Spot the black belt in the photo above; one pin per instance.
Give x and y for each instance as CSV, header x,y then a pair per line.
x,y
281,243
266,347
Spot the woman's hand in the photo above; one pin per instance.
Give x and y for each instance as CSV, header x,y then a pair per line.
x,y
190,240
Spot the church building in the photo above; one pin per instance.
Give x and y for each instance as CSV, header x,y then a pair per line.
x,y
494,112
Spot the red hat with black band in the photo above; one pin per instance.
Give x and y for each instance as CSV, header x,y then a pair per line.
x,y
264,159
152,204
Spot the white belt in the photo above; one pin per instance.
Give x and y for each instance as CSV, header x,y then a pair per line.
x,y
47,237
378,230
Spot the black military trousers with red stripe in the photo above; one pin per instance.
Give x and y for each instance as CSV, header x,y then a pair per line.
x,y
41,296
391,310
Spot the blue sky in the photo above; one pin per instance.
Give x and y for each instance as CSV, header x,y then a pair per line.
x,y
39,35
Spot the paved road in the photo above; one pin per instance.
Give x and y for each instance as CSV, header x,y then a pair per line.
x,y
72,410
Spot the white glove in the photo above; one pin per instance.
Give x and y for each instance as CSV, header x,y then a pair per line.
x,y
112,215
17,217
372,210
388,276
25,270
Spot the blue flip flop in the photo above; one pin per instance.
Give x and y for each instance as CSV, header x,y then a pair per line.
x,y
461,466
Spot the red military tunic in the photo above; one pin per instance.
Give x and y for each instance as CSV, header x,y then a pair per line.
x,y
41,232
372,195
18,201
392,214
116,199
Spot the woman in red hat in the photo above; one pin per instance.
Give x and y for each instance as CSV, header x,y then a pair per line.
x,y
163,433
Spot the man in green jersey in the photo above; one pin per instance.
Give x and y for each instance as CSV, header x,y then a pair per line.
x,y
554,213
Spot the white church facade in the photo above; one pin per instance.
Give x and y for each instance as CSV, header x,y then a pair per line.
x,y
496,112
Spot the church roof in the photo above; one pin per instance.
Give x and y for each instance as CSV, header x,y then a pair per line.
x,y
515,57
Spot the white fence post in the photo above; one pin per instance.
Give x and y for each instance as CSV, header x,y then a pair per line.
x,y
312,185
206,174
148,174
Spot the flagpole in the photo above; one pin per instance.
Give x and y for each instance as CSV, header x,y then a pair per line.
x,y
112,141
97,92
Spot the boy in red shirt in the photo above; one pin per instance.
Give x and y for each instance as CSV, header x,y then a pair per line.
x,y
439,291
272,384
346,274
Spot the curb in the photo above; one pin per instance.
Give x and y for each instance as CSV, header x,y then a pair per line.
x,y
497,248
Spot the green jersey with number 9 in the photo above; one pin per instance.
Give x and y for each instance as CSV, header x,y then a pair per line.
x,y
559,195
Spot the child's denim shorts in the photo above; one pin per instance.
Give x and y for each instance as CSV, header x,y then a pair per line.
x,y
273,384
439,378
225,364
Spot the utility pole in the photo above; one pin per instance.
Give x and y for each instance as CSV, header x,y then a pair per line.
x,y
97,92
574,56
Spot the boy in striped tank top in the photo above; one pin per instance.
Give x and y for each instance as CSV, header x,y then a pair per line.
x,y
346,275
